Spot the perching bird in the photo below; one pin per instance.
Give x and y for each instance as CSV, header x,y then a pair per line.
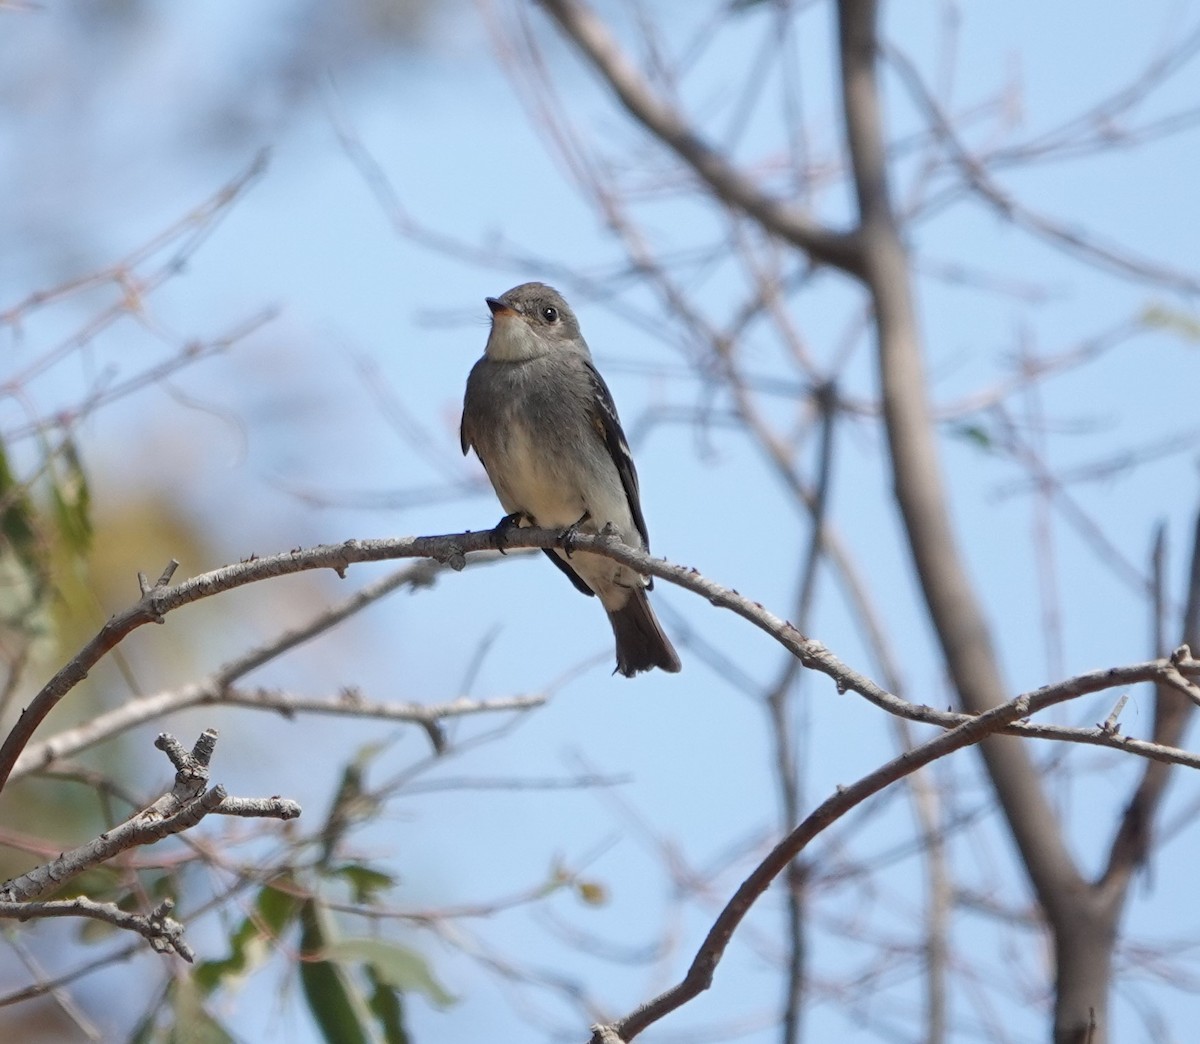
x,y
543,424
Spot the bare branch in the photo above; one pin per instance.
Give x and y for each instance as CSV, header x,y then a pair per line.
x,y
737,191
182,239
953,604
452,549
162,932
58,982
181,808
218,687
212,692
106,393
700,975
1174,707
1111,257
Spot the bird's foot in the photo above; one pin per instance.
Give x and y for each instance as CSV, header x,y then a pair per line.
x,y
502,528
571,532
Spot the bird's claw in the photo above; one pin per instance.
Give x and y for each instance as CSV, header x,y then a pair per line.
x,y
568,538
502,528
570,533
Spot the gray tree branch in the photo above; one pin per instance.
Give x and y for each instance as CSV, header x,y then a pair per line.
x,y
162,932
700,974
160,599
180,809
219,687
591,37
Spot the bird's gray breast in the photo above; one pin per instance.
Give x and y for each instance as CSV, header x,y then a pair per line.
x,y
530,428
532,425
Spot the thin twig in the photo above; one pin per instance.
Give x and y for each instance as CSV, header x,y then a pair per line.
x,y
593,40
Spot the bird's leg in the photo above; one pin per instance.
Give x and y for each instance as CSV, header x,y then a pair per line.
x,y
569,534
501,530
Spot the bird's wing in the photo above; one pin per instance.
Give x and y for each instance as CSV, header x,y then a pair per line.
x,y
464,427
608,427
565,566
607,424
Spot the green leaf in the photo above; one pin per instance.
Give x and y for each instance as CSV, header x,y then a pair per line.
x,y
251,944
365,883
24,565
247,949
72,499
180,1017
397,966
388,1008
17,516
973,433
336,1005
278,906
352,803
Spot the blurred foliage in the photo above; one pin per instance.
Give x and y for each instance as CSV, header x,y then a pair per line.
x,y
17,524
1162,317
352,802
180,1018
973,434
268,78
71,500
354,988
63,570
73,539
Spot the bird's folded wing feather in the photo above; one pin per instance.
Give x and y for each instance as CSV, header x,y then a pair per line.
x,y
604,418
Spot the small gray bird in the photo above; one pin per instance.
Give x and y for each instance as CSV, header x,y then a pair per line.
x,y
543,424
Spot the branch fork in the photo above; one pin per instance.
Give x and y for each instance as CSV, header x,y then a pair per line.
x,y
180,809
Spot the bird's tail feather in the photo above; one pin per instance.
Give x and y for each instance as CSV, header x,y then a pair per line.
x,y
641,643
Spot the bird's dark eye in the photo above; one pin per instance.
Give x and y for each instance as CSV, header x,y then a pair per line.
x,y
550,314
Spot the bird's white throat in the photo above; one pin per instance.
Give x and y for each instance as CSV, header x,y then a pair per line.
x,y
513,340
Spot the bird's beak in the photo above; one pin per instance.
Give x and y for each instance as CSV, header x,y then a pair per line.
x,y
499,308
